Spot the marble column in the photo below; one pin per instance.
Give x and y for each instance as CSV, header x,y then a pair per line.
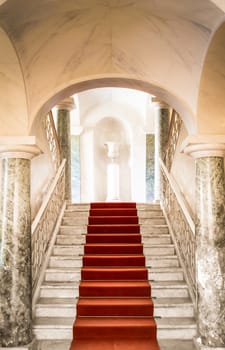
x,y
150,167
64,136
210,243
15,247
162,120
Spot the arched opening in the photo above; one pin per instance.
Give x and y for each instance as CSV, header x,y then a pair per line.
x,y
136,147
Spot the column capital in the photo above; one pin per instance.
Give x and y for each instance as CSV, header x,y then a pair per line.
x,y
67,104
18,147
202,146
159,103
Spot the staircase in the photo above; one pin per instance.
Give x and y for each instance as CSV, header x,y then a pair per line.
x,y
56,307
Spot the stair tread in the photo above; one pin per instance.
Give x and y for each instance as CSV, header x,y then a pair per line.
x,y
115,283
165,322
115,301
153,257
178,322
154,284
170,302
114,321
75,269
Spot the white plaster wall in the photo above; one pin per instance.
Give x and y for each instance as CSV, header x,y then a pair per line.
x,y
183,170
87,165
42,173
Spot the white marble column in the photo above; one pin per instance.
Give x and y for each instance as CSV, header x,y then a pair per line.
x,y
210,240
112,172
15,246
162,114
64,136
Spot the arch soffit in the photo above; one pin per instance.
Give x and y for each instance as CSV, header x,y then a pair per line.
x,y
116,81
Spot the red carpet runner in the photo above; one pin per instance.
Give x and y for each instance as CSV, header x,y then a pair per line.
x,y
115,309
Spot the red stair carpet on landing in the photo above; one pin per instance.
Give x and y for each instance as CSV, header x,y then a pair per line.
x,y
115,309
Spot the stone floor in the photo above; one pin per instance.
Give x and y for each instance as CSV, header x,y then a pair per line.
x,y
164,345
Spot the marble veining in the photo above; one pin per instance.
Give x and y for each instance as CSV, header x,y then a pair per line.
x,y
164,120
15,267
210,250
64,137
150,167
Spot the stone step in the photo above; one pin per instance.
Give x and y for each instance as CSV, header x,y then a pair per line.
x,y
160,289
163,307
153,229
169,289
83,220
165,344
59,290
65,261
148,206
55,328
76,213
153,249
70,221
59,328
162,261
80,206
72,274
73,230
75,250
151,261
64,239
176,328
159,249
150,229
166,274
154,220
156,239
150,213
63,274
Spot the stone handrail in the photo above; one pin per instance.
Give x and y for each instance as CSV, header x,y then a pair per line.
x,y
181,226
173,135
45,222
52,138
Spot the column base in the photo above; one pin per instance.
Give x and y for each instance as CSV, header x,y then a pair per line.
x,y
200,346
32,346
